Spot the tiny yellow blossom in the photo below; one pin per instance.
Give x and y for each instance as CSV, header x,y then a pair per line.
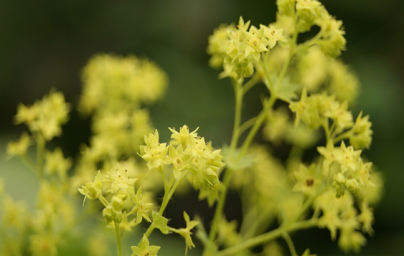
x,y
145,248
56,163
20,147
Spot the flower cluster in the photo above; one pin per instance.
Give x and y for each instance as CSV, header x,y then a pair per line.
x,y
316,111
311,91
114,82
236,48
186,153
114,89
315,69
301,15
44,117
123,200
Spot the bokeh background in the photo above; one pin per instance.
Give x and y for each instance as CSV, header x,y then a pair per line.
x,y
44,44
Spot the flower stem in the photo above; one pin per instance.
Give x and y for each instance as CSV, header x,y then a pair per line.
x,y
118,237
167,196
30,164
220,206
290,244
260,119
40,143
238,96
269,236
253,81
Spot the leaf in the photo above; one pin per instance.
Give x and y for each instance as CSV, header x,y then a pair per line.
x,y
285,91
234,163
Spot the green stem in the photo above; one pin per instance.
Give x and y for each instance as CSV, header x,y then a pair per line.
x,y
267,77
166,185
40,143
103,200
166,199
326,130
290,244
291,226
118,237
238,96
269,236
296,152
260,120
343,136
172,188
30,164
253,81
247,124
220,206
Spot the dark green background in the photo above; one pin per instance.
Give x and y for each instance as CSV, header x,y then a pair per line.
x,y
44,44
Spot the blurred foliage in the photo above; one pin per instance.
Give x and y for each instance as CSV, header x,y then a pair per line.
x,y
44,44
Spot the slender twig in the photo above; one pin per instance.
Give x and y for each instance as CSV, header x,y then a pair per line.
x,y
118,237
290,244
220,206
238,97
40,143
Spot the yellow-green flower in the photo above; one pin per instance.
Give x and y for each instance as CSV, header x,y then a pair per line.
x,y
19,148
92,190
56,163
145,249
186,232
308,180
154,153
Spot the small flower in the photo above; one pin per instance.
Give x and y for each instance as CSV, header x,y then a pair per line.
x,y
141,208
308,180
154,153
20,147
179,159
366,218
348,158
26,114
340,115
92,190
56,163
186,232
144,248
181,137
351,240
300,108
332,40
120,181
362,133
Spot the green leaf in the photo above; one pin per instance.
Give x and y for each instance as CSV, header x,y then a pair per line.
x,y
234,163
285,91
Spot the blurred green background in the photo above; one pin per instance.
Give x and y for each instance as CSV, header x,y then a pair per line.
x,y
45,44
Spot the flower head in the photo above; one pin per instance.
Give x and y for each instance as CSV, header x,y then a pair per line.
x,y
145,249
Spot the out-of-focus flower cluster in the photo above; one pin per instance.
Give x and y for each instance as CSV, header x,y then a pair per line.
x,y
115,90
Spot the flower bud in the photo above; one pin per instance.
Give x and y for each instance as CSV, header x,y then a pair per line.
x,y
93,191
117,216
353,186
107,213
339,179
118,202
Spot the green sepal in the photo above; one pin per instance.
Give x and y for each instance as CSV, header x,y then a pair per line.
x,y
160,222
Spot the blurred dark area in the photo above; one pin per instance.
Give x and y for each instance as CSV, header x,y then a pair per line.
x,y
45,44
